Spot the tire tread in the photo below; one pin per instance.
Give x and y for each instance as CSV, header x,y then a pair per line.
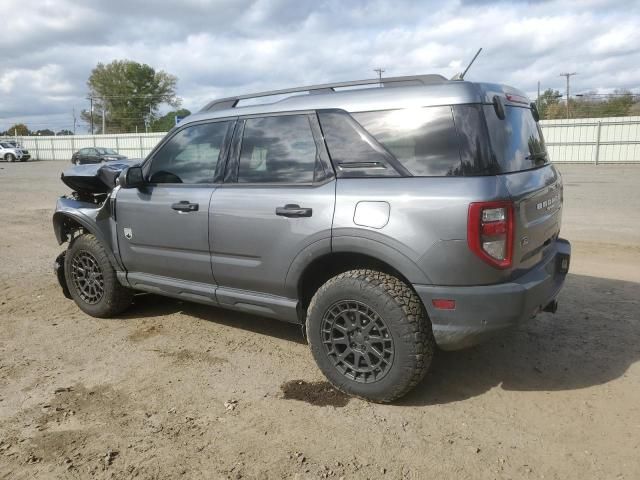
x,y
415,320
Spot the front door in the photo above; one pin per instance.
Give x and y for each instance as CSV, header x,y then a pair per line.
x,y
278,202
163,227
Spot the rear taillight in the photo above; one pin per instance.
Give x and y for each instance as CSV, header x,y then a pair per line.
x,y
490,232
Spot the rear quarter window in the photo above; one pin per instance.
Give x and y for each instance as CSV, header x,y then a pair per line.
x,y
423,139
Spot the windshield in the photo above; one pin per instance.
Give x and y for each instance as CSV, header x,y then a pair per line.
x,y
516,141
106,151
6,145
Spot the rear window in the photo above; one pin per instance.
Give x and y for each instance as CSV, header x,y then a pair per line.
x,y
516,141
423,139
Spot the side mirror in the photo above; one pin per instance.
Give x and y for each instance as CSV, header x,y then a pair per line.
x,y
131,177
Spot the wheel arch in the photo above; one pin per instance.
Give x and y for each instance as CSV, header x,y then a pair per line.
x,y
65,223
324,267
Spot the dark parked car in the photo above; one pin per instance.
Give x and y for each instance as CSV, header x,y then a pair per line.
x,y
95,155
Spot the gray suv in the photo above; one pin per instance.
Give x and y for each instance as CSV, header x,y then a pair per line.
x,y
387,219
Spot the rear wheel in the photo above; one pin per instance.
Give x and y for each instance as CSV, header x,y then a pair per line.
x,y
370,335
92,281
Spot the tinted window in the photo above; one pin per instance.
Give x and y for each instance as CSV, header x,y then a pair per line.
x,y
475,151
423,140
106,151
190,156
516,141
353,153
277,150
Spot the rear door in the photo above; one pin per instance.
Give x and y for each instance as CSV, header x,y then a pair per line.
x,y
163,227
533,183
91,156
277,200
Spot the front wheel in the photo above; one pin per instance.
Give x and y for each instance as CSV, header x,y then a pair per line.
x,y
10,157
370,335
91,279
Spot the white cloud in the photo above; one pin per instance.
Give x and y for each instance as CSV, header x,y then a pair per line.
x,y
218,48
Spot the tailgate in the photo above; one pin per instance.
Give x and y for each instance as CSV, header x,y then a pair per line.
x,y
537,197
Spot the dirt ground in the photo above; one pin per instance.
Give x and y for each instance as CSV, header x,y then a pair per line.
x,y
177,390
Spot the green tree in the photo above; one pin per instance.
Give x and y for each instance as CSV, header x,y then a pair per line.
x,y
166,122
548,103
18,129
44,132
129,93
592,105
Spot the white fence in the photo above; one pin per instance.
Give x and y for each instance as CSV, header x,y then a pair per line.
x,y
133,145
586,140
593,140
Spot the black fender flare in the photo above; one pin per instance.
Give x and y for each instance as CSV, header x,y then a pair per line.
x,y
62,228
352,244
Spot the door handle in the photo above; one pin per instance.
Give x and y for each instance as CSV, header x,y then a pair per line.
x,y
292,210
185,206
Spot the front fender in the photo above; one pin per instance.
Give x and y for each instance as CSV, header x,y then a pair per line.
x,y
97,220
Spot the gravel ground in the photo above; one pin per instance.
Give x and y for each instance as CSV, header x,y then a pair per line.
x,y
175,390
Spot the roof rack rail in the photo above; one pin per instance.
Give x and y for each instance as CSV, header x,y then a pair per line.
x,y
232,102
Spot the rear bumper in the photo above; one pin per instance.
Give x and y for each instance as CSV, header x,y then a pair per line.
x,y
480,311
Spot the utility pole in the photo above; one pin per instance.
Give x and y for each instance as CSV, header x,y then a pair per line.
x,y
568,76
380,71
538,99
74,120
91,112
104,112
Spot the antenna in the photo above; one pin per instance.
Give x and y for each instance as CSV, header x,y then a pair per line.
x,y
460,76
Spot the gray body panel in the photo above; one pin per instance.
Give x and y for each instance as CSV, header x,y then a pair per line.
x,y
165,242
483,310
252,248
234,251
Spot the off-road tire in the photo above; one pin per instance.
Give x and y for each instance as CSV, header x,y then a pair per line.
x,y
114,298
399,308
9,157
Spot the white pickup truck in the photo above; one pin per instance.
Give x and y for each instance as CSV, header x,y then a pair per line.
x,y
10,152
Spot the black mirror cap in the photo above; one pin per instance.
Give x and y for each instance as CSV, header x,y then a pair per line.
x,y
131,177
534,112
498,106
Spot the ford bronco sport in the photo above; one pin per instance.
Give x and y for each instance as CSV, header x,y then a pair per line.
x,y
387,221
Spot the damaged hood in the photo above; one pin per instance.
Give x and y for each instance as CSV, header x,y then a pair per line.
x,y
95,178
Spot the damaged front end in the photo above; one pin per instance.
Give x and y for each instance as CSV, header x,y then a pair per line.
x,y
58,269
93,182
88,210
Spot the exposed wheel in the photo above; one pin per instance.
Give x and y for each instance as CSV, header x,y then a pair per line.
x,y
370,335
92,280
9,157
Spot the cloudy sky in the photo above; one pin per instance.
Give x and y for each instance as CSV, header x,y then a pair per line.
x,y
219,47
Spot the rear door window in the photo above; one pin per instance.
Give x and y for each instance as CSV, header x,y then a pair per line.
x,y
422,139
278,149
517,142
